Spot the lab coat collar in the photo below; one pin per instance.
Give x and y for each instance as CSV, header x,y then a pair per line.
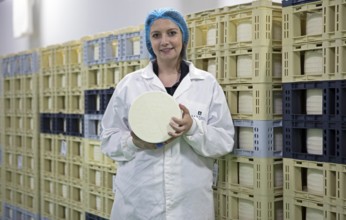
x,y
194,73
185,84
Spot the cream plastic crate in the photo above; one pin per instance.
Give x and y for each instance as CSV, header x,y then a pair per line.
x,y
75,102
310,180
69,55
341,181
47,82
63,169
131,66
48,57
251,175
48,207
61,81
61,58
77,173
74,146
262,101
52,209
94,155
75,77
314,21
300,209
100,180
93,77
68,193
95,175
46,102
48,187
341,213
257,23
233,205
8,105
113,73
96,203
47,146
53,102
314,61
249,65
74,54
9,123
9,86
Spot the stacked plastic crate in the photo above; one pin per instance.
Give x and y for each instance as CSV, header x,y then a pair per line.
x,y
61,127
314,109
107,58
19,136
241,46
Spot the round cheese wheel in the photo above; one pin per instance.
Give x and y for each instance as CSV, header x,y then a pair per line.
x,y
150,114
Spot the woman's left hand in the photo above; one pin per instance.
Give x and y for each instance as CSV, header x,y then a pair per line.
x,y
183,125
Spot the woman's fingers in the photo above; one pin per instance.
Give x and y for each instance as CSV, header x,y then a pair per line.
x,y
181,126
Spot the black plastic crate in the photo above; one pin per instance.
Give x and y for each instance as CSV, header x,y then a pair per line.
x,y
106,96
59,123
74,125
52,123
333,146
89,216
91,106
286,3
333,104
46,121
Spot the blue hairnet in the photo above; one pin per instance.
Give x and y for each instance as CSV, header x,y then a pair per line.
x,y
167,13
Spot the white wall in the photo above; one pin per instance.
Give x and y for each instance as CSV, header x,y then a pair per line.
x,y
59,21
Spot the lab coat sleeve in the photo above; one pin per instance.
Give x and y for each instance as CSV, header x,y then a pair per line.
x,y
116,140
214,137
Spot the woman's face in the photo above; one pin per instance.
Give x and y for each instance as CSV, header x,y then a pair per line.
x,y
166,40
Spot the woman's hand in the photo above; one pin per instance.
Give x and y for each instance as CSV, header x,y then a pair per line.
x,y
183,125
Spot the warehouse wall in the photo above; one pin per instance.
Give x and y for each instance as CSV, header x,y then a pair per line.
x,y
57,21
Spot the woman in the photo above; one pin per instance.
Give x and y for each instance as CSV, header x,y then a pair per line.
x,y
173,181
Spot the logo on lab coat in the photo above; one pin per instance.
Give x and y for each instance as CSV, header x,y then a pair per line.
x,y
199,115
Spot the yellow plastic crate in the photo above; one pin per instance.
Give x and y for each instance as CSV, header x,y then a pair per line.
x,y
249,65
314,61
314,21
234,205
300,209
257,23
252,175
261,101
310,180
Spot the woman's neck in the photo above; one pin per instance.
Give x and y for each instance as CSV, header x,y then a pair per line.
x,y
169,73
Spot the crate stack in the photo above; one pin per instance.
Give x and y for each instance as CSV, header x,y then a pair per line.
x,y
20,175
107,58
61,132
241,46
314,109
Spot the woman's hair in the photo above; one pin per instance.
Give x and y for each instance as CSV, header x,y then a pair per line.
x,y
173,15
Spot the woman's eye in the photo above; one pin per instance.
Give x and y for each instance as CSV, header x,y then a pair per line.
x,y
155,35
172,33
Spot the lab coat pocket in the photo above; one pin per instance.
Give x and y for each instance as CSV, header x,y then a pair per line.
x,y
198,110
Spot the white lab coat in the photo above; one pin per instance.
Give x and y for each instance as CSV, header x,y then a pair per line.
x,y
173,182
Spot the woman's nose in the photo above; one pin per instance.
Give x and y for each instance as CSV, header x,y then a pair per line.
x,y
164,39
